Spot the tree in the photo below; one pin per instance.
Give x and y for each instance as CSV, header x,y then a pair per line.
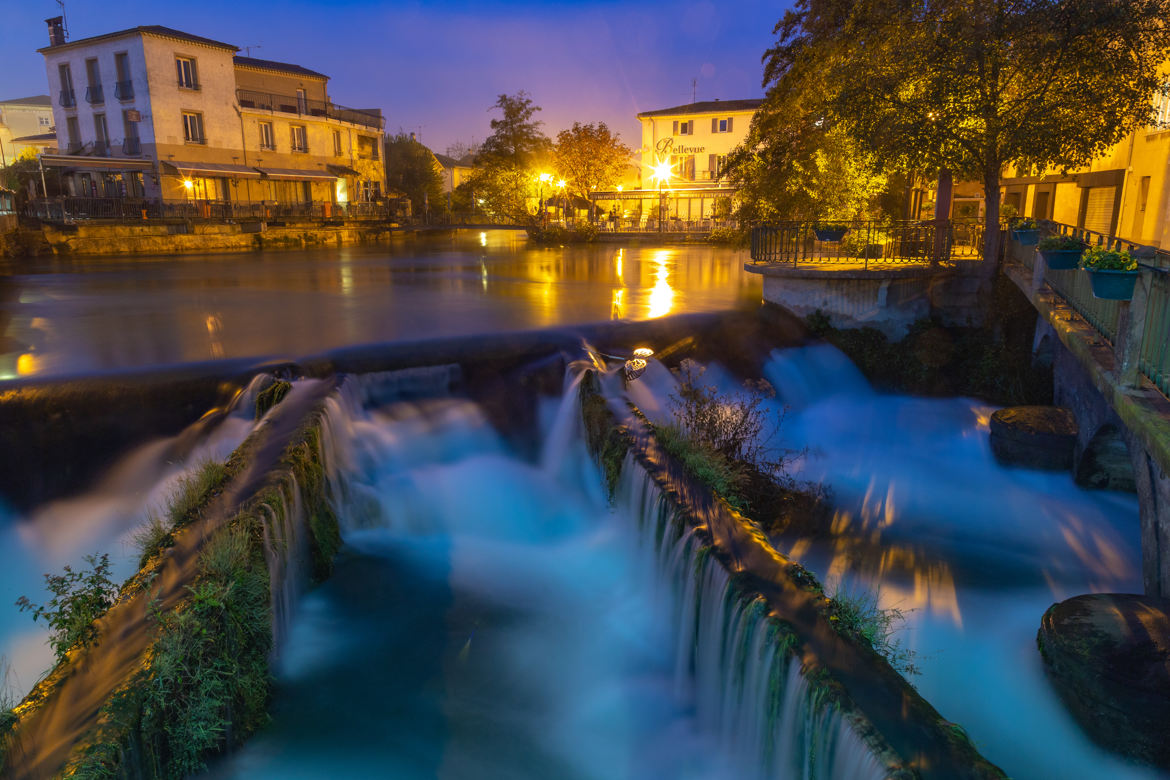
x,y
972,86
413,170
504,178
461,150
590,157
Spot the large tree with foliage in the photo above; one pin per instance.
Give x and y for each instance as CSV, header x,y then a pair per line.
x,y
590,157
504,178
413,170
972,86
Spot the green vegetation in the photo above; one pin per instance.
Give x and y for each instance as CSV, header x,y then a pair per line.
x,y
413,170
187,502
606,439
857,615
706,464
963,89
79,598
271,396
736,237
590,158
1099,258
831,226
1025,224
504,180
1061,243
578,233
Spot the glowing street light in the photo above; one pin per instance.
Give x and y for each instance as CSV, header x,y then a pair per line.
x,y
661,173
544,177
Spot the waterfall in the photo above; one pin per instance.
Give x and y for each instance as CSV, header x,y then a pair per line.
x,y
735,663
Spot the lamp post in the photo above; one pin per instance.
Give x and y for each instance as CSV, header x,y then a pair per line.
x,y
661,173
564,209
543,211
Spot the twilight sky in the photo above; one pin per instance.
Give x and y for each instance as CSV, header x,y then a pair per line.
x,y
436,68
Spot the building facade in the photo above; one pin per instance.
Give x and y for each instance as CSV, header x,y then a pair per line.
x,y
24,125
682,155
161,114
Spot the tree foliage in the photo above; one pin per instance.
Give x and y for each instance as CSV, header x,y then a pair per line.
x,y
590,157
972,86
413,170
504,180
79,599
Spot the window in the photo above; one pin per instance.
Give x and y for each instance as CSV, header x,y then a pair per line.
x,y
683,165
193,128
101,135
68,100
1143,193
1161,119
45,121
267,138
684,128
721,125
74,133
299,143
336,143
188,76
93,88
367,147
130,143
302,103
715,164
124,87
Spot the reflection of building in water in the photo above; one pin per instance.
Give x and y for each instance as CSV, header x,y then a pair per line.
x,y
683,153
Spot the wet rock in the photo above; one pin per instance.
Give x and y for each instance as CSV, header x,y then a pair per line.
x,y
1106,464
1037,437
1108,656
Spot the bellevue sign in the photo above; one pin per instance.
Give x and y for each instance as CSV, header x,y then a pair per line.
x,y
666,146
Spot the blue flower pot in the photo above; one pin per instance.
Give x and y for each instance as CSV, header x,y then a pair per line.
x,y
1112,285
1026,237
830,235
1061,259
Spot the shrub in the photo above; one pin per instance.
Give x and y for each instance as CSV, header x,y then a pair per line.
x,y
1060,244
857,615
79,598
830,226
1099,258
1026,224
193,492
730,236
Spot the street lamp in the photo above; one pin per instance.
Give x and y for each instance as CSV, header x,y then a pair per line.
x,y
661,173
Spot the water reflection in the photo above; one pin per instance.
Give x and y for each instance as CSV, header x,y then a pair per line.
x,y
78,316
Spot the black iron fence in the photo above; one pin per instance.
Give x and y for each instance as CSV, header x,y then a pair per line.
x,y
866,242
81,209
302,106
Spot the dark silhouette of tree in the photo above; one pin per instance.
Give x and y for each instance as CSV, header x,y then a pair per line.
x,y
413,170
505,175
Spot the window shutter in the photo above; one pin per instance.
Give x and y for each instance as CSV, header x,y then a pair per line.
x,y
675,130
729,123
691,127
714,124
713,165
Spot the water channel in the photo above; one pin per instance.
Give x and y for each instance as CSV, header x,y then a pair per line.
x,y
490,614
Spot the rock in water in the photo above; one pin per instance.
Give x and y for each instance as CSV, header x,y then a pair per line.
x,y
1037,437
1108,656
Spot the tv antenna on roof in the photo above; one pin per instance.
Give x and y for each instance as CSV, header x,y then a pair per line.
x,y
248,49
64,21
694,90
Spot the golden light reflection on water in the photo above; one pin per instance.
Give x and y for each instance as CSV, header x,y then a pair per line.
x,y
618,264
214,326
618,308
661,295
26,364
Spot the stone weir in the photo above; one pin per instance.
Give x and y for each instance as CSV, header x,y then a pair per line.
x,y
180,667
854,700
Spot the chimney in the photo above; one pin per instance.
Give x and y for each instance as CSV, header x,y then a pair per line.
x,y
413,137
56,30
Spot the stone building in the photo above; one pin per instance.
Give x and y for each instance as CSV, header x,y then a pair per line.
x,y
24,123
162,114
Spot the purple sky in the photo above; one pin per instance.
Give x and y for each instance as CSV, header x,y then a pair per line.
x,y
439,66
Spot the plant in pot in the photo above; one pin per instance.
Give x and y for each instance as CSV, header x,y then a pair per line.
x,y
1112,273
830,231
1026,232
1061,253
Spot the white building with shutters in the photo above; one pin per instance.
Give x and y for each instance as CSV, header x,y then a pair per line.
x,y
695,139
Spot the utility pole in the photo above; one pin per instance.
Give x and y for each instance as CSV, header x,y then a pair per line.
x,y
694,90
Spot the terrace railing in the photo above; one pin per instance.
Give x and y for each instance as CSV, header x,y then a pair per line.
x,y
80,209
300,106
866,242
1138,330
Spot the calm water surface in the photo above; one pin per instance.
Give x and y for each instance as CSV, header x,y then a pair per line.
x,y
69,316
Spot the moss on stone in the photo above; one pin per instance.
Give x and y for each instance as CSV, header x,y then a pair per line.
x,y
606,439
271,396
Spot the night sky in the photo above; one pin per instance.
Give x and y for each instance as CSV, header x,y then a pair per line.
x,y
436,68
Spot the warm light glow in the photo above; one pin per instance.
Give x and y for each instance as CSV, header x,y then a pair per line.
x,y
483,239
546,177
643,352
561,183
26,364
620,188
190,185
661,172
618,307
661,295
618,262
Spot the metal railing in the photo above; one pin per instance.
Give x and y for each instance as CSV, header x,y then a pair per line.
x,y
669,225
295,104
128,209
94,94
1146,345
124,90
68,98
866,242
131,147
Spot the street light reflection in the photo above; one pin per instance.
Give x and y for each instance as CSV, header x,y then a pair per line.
x,y
661,295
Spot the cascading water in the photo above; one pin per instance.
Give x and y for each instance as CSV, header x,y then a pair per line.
x,y
102,520
731,660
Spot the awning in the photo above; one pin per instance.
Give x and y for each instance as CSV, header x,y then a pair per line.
x,y
296,175
210,169
95,163
341,170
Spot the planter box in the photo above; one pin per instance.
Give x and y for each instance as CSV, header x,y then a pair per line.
x,y
1061,259
1112,285
1026,237
830,235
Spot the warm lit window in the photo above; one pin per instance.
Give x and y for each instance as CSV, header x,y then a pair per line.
x,y
187,74
336,143
267,137
684,128
299,142
1162,109
193,128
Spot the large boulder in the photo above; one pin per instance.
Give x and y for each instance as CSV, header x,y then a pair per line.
x,y
1108,656
1036,437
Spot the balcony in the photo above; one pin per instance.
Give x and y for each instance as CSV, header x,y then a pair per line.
x,y
124,90
94,94
131,147
290,104
101,148
68,98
